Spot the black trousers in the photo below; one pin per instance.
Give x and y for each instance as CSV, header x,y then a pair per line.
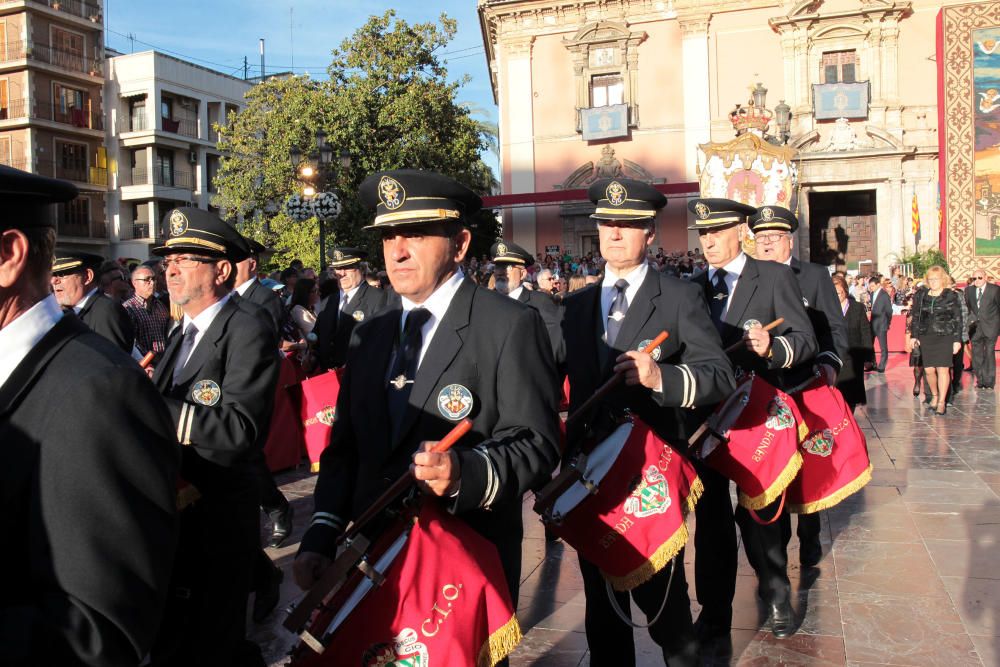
x,y
808,528
610,639
271,498
984,361
767,550
715,549
883,344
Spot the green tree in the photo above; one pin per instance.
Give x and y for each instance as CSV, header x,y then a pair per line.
x,y
387,102
921,261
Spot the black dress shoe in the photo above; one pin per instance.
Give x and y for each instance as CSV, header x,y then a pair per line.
x,y
782,619
811,553
281,525
266,598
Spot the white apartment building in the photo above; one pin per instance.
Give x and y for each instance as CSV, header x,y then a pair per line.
x,y
161,142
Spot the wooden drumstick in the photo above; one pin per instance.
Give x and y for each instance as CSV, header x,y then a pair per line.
x,y
613,381
147,360
767,327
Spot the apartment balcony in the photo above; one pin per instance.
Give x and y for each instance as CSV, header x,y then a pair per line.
x,y
63,59
17,164
87,229
69,171
15,109
166,178
11,51
77,8
186,127
140,229
133,123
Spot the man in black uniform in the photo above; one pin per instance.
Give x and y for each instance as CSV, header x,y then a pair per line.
x,y
250,289
218,378
983,300
447,350
510,261
355,302
774,230
606,326
75,285
88,480
743,295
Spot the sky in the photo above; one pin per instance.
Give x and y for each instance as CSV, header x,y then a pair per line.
x,y
298,35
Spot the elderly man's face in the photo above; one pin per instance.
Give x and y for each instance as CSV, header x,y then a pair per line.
x,y
193,281
721,245
72,287
774,246
624,242
545,281
349,278
420,258
143,282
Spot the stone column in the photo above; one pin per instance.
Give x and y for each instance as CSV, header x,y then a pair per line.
x,y
697,109
890,222
518,109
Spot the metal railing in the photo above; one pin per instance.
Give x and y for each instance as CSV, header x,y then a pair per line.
x,y
164,177
70,170
183,126
87,10
137,229
51,55
13,50
21,164
77,117
90,229
14,109
132,123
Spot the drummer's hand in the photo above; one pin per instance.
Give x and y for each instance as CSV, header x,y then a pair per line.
x,y
758,341
436,473
955,347
308,567
639,368
828,373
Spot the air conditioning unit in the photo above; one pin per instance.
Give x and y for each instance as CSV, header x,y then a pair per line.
x,y
193,157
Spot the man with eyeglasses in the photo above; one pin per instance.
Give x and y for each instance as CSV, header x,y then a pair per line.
x,y
774,228
983,300
75,285
150,318
217,377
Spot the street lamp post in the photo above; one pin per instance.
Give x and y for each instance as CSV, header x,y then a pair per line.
x,y
317,171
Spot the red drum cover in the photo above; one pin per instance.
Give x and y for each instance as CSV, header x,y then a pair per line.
x,y
283,448
634,525
834,456
318,411
444,602
761,454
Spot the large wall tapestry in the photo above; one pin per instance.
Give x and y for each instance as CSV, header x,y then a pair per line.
x,y
968,57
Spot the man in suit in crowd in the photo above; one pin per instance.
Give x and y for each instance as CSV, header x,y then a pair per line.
x,y
356,302
606,327
218,379
743,294
774,230
74,283
510,261
881,319
447,350
983,300
248,286
90,466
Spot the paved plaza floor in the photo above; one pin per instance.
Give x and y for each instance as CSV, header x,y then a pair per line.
x,y
909,574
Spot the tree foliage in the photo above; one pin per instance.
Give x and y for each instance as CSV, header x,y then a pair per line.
x,y
921,261
387,102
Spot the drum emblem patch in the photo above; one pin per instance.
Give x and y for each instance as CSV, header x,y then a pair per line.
x,y
403,651
455,402
820,444
779,415
651,496
206,392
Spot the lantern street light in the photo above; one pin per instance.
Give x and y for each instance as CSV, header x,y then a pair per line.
x,y
317,172
783,117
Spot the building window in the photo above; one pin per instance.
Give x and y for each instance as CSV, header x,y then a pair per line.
x,y
4,100
71,105
67,49
840,66
165,167
71,161
166,108
5,152
606,90
137,113
74,217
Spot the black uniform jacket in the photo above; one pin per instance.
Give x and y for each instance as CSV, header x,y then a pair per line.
x,y
334,328
986,313
693,366
881,312
87,488
266,299
222,403
551,313
107,317
825,314
490,345
764,292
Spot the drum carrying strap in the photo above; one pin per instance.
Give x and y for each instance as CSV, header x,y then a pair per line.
x,y
663,605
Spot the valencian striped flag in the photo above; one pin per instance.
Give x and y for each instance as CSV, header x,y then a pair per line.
x,y
915,217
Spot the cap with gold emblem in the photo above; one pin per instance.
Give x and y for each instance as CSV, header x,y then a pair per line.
x,y
344,258
709,213
504,252
66,263
773,217
624,199
27,199
416,197
189,229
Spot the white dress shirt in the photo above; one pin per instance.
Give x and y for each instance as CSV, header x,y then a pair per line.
x,y
83,302
203,321
516,292
734,269
242,289
19,337
634,279
347,296
437,304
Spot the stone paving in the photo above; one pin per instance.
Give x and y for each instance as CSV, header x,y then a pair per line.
x,y
909,574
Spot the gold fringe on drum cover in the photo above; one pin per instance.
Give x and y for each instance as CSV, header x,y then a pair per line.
x,y
500,644
833,499
774,491
667,550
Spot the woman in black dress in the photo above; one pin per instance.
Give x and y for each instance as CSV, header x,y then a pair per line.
x,y
851,380
937,331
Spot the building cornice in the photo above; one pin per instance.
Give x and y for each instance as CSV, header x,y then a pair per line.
x,y
805,15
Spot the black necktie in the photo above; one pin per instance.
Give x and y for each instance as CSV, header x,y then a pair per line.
x,y
404,367
720,296
185,352
616,315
